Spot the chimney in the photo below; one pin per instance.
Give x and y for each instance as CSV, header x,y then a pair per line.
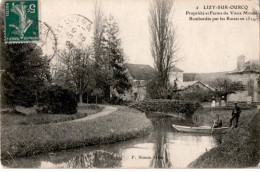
x,y
240,62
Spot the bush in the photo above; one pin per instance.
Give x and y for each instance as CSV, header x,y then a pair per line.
x,y
56,99
157,91
164,105
198,96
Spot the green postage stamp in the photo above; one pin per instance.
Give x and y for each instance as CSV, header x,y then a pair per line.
x,y
21,21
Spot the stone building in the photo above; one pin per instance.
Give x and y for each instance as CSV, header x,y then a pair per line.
x,y
176,75
193,86
249,74
139,76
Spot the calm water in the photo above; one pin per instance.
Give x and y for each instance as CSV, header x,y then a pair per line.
x,y
163,148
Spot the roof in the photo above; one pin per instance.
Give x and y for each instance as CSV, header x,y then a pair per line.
x,y
175,69
185,85
141,72
250,67
189,77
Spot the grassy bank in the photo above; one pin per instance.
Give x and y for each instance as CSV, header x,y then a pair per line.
x,y
239,148
206,116
23,140
12,118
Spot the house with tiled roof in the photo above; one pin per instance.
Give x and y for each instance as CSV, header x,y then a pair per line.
x,y
141,71
186,85
249,74
140,75
193,86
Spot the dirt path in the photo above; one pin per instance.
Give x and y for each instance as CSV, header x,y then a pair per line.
x,y
106,111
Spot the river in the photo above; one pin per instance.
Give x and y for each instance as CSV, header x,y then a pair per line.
x,y
163,148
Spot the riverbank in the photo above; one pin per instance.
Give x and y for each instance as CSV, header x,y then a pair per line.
x,y
9,118
239,147
25,140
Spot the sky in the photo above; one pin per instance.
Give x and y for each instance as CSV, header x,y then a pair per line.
x,y
204,46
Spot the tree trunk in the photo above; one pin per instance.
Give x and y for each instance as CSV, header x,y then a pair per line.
x,y
96,99
87,98
80,99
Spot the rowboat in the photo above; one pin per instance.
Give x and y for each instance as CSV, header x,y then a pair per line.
x,y
200,129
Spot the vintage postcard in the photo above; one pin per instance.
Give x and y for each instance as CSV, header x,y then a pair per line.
x,y
136,84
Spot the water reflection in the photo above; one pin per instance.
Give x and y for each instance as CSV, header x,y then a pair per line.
x,y
163,148
161,158
99,159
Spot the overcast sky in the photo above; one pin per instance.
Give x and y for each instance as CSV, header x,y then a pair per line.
x,y
204,46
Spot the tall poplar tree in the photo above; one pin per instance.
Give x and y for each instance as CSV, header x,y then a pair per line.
x,y
163,39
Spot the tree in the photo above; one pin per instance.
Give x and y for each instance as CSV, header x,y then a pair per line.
x,y
99,30
116,57
25,71
97,92
76,70
163,39
110,67
155,91
225,86
104,73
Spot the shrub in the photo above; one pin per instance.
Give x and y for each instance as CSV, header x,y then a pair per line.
x,y
55,99
198,96
165,105
156,91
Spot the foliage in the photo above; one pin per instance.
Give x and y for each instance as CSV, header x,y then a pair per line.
x,y
164,105
104,73
97,92
109,57
163,39
55,99
25,70
156,91
116,57
76,70
202,96
226,86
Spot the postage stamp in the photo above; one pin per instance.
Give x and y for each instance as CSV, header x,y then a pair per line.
x,y
20,21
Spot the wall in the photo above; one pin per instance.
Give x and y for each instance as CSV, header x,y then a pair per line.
x,y
245,78
173,75
137,92
239,97
195,88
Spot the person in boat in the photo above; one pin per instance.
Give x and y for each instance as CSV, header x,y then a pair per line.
x,y
235,114
217,123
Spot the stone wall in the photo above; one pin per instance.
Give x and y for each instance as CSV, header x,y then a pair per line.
x,y
245,79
